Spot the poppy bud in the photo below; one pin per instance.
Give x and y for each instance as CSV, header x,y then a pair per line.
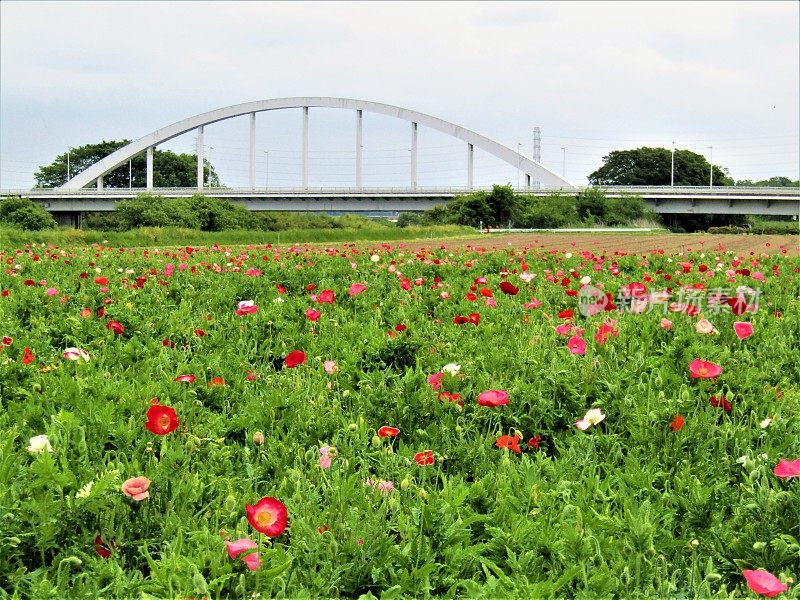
x,y
404,484
231,503
376,441
258,438
422,493
193,443
459,430
759,546
352,426
389,450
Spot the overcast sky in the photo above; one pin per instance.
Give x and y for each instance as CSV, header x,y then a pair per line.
x,y
593,76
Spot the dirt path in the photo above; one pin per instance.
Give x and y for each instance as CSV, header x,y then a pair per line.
x,y
629,242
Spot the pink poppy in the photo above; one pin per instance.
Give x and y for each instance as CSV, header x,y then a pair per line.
x,y
246,307
577,345
325,457
239,546
251,272
326,297
493,398
435,380
253,561
565,329
185,378
294,359
701,369
51,292
136,488
356,289
666,324
764,583
742,329
787,468
330,366
313,315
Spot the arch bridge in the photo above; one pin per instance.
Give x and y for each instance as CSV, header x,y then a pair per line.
x,y
532,169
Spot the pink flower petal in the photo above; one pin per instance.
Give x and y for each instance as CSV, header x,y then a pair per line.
x,y
764,583
787,468
743,330
253,561
239,546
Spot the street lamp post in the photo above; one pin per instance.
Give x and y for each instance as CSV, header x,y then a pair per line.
x,y
672,169
564,163
210,148
69,175
711,169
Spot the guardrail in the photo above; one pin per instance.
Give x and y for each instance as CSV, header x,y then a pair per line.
x,y
421,190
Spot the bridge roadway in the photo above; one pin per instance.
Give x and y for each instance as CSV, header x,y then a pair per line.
x,y
665,200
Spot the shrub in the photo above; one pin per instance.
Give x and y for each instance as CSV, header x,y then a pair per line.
x,y
24,214
591,205
547,212
622,211
215,214
409,218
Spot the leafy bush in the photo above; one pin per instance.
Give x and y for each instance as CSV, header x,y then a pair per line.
x,y
407,219
546,212
623,211
24,214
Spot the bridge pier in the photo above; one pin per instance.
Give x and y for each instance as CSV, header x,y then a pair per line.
x,y
100,182
527,180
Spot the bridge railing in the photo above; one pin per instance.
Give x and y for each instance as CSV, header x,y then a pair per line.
x,y
383,190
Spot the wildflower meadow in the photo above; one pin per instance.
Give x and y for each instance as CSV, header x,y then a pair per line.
x,y
388,421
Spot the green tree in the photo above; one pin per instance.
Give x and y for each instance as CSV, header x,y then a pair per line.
x,y
169,169
24,214
652,166
771,182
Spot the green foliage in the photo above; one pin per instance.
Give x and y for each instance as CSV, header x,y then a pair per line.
x,y
24,214
148,210
546,212
220,215
169,169
771,182
626,509
652,166
406,219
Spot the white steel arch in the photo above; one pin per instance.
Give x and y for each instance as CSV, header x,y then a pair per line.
x,y
532,169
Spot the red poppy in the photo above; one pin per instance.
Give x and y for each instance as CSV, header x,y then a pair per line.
x,y
7,341
313,315
424,458
101,548
199,332
474,318
460,320
311,287
161,420
323,529
720,402
487,293
493,398
86,312
510,442
268,516
534,441
294,358
387,431
101,280
677,423
217,381
508,288
27,356
400,327
185,378
115,326
450,397
326,296
565,314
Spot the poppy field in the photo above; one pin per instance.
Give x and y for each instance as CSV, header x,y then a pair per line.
x,y
388,421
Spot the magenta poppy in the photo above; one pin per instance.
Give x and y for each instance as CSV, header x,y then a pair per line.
x,y
787,468
239,546
493,398
313,315
356,289
743,330
185,378
326,297
294,359
577,345
268,516
701,369
764,583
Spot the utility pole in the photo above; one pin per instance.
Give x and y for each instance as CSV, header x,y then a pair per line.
x,y
711,169
672,169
